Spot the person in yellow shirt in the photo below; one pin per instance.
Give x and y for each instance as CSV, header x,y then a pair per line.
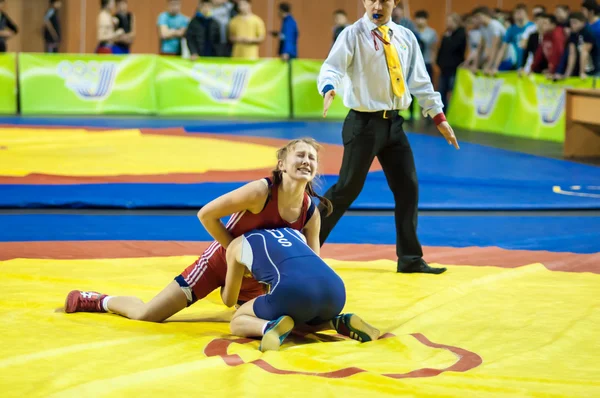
x,y
246,32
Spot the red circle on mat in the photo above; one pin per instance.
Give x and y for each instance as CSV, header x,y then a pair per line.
x,y
467,360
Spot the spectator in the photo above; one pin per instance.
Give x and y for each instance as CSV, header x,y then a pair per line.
x,y
235,10
288,36
475,56
550,51
582,50
492,32
561,12
535,11
52,27
503,17
246,32
510,50
510,20
222,11
498,15
7,27
589,48
591,10
534,40
172,25
429,38
340,21
538,9
203,34
106,32
127,23
450,55
398,16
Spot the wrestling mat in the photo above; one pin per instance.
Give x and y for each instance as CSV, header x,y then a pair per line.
x,y
517,328
70,167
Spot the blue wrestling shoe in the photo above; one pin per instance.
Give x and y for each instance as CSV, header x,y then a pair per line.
x,y
353,326
275,332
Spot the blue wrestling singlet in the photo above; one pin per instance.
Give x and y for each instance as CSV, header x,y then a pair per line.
x,y
301,284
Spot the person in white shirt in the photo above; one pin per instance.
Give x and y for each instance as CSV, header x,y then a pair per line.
x,y
380,65
428,37
474,58
492,32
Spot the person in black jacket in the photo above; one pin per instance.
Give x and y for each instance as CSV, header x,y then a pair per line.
x,y
203,34
7,27
235,11
340,19
532,43
127,23
52,27
450,55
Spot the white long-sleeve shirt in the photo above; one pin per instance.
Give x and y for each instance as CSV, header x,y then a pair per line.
x,y
355,61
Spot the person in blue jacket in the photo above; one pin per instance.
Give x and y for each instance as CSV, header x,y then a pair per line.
x,y
288,36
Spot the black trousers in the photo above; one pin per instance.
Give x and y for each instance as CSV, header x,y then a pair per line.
x,y
365,136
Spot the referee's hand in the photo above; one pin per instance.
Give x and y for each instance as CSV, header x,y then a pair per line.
x,y
448,134
327,100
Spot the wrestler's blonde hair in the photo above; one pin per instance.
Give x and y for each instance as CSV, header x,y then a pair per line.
x,y
278,174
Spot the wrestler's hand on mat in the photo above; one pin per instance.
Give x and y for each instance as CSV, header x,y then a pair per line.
x,y
327,100
448,133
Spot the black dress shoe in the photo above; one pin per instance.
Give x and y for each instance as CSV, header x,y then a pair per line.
x,y
420,267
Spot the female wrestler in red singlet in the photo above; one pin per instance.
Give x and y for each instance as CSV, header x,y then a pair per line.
x,y
284,200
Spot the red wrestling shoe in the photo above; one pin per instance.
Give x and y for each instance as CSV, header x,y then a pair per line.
x,y
78,301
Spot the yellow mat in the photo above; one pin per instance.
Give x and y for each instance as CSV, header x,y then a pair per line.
x,y
534,331
75,152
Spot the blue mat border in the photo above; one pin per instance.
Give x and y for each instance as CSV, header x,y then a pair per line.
x,y
574,234
449,179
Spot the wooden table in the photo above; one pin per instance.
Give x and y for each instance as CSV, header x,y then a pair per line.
x,y
582,133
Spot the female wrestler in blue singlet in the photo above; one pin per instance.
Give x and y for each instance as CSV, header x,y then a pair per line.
x,y
302,289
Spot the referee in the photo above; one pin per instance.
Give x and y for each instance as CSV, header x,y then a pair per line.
x,y
381,65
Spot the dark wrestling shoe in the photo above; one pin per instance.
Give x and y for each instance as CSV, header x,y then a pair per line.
x,y
351,325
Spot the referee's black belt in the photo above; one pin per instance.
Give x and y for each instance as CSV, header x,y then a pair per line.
x,y
393,114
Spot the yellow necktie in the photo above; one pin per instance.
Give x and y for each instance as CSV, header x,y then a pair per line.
x,y
393,62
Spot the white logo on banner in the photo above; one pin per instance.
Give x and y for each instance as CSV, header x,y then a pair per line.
x,y
89,80
551,102
486,92
224,83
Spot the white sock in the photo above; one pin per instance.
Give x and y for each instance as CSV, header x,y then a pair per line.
x,y
105,303
265,327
